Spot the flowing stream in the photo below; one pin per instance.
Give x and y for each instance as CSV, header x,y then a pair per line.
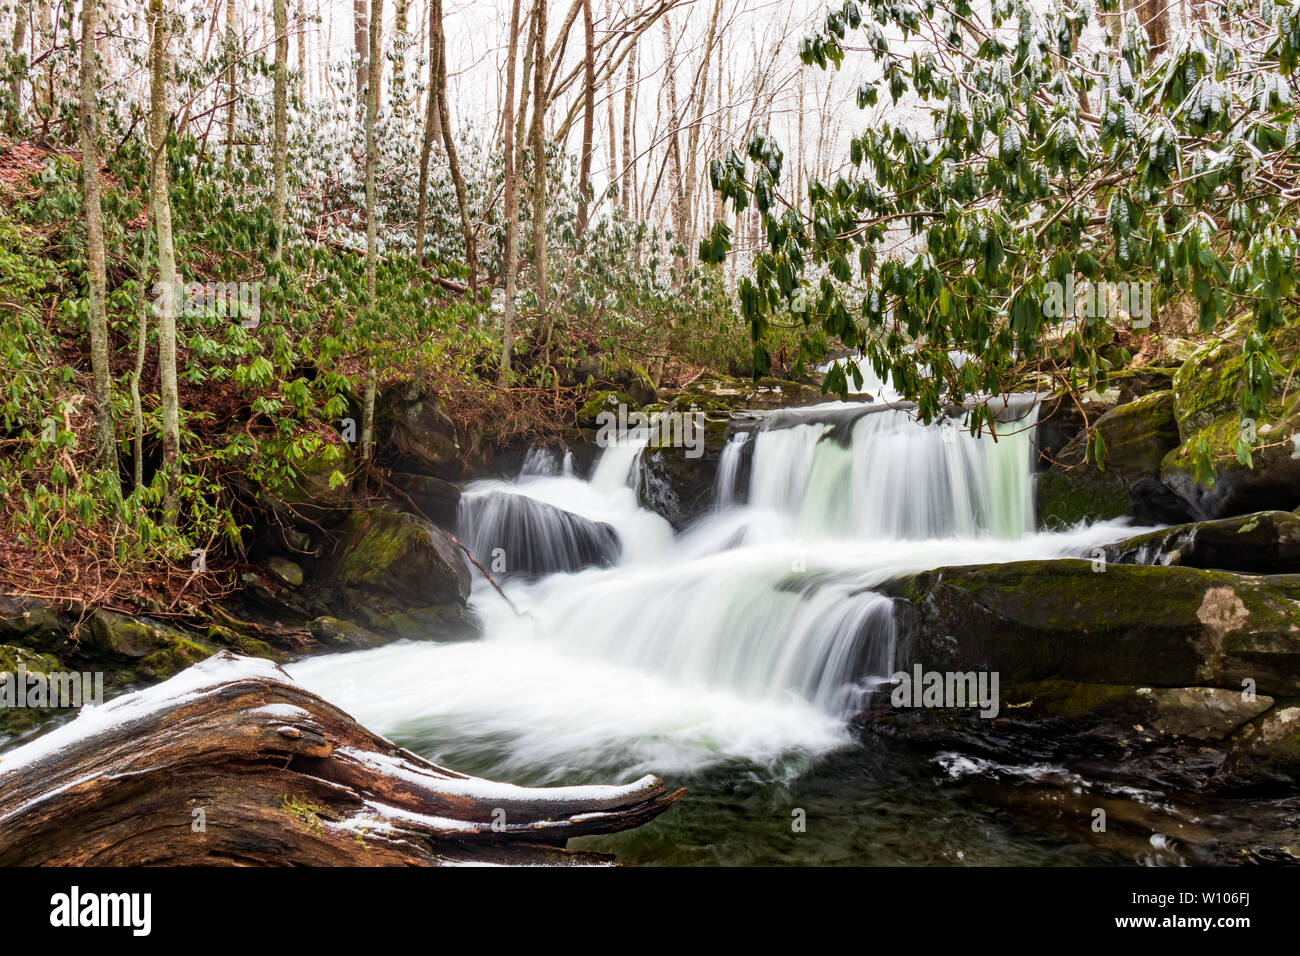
x,y
728,657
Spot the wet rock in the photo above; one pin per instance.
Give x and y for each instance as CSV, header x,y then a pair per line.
x,y
1267,542
336,634
1266,752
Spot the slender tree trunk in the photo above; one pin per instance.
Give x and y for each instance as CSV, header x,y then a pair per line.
x,y
541,275
628,185
280,147
162,211
231,95
98,323
510,253
675,192
431,133
449,144
588,116
141,345
301,19
612,162
16,83
400,43
374,51
361,40
700,92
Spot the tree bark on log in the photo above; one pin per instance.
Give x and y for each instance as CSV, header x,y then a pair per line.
x,y
231,763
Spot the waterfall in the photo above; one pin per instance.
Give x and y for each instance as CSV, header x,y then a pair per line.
x,y
524,536
753,634
724,486
898,479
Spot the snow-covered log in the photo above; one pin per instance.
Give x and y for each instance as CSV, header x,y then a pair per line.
x,y
231,762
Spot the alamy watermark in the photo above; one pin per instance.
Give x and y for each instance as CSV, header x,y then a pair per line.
x,y
922,688
1099,300
658,429
241,300
25,688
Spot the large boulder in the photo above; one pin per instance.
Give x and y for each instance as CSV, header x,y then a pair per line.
x,y
1136,436
437,498
1075,620
399,574
422,436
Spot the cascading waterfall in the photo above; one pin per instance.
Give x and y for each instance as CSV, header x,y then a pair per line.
x,y
724,486
751,635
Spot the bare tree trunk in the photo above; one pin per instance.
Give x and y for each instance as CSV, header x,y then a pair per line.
x,y
280,147
231,95
400,42
301,18
700,93
374,53
449,144
162,211
141,345
612,162
360,40
541,275
16,83
509,255
675,192
588,117
1154,15
432,132
97,322
628,186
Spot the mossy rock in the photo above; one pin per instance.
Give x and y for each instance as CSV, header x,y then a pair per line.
x,y
1127,624
387,553
1136,437
336,634
428,622
288,572
1207,389
607,400
437,498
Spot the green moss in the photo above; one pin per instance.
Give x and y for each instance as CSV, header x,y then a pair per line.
x,y
308,815
180,654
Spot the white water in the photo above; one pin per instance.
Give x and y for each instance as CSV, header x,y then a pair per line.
x,y
752,635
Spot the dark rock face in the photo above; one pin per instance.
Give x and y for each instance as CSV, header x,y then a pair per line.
x,y
1136,436
675,486
530,537
1151,502
1264,543
423,438
438,499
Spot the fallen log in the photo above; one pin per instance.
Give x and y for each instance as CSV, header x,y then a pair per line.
x,y
230,762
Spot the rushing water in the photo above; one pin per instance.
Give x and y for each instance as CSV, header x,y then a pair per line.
x,y
728,657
